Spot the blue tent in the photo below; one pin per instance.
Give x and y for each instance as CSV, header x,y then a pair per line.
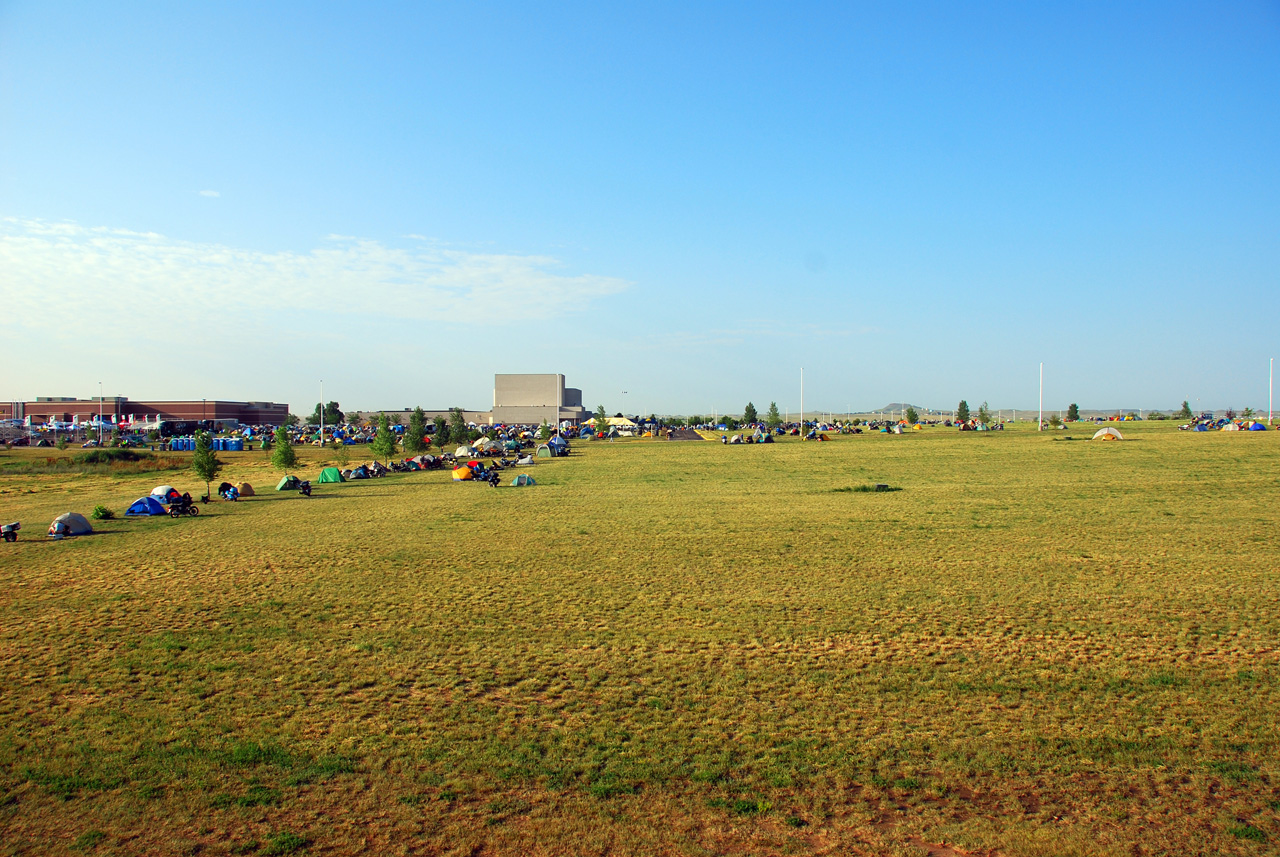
x,y
146,506
1257,427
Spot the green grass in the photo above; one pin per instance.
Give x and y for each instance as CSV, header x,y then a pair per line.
x,y
663,647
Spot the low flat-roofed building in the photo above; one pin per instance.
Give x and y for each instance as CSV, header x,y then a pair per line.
x,y
67,409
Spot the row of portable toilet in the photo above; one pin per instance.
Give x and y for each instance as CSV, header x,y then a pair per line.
x,y
221,444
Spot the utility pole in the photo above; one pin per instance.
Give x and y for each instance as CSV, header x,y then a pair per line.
x,y
322,413
1040,413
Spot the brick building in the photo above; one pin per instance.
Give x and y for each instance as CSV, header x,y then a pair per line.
x,y
62,409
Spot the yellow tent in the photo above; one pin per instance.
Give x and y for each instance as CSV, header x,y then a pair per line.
x,y
462,474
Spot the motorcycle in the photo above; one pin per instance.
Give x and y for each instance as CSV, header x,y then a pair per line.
x,y
11,531
304,488
183,506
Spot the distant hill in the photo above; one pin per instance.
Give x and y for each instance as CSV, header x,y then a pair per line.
x,y
900,406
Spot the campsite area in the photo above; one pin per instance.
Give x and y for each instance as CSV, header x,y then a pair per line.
x,y
1030,645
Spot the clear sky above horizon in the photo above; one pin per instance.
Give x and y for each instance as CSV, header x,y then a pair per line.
x,y
677,206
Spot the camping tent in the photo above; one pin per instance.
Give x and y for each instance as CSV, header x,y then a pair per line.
x,y
463,451
462,474
360,472
1257,427
166,493
1107,433
146,506
544,451
288,483
1231,427
484,444
522,480
330,474
245,489
70,524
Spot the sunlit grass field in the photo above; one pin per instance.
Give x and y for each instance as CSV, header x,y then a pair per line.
x,y
1036,646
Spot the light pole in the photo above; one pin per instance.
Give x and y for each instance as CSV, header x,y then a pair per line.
x,y
99,413
1040,413
322,413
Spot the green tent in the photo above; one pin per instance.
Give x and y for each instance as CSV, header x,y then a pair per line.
x,y
287,484
522,480
330,474
544,451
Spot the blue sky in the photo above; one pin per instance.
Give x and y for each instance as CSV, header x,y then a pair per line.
x,y
686,202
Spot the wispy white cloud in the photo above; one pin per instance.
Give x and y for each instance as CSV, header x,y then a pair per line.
x,y
149,279
209,193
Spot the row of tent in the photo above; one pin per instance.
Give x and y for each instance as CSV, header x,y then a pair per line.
x,y
1229,426
466,473
162,495
75,524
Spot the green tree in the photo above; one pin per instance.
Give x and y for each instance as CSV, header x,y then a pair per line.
x,y
283,456
1247,414
774,419
332,415
414,438
912,416
962,411
749,414
341,455
442,431
292,420
384,442
459,431
984,414
205,461
1073,412
544,431
1185,413
602,418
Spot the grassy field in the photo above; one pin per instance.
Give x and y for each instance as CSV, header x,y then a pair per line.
x,y
1036,646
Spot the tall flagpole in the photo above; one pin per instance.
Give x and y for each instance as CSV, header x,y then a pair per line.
x,y
802,403
1271,377
322,413
1040,413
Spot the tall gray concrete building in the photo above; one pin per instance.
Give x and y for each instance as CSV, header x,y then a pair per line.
x,y
531,399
